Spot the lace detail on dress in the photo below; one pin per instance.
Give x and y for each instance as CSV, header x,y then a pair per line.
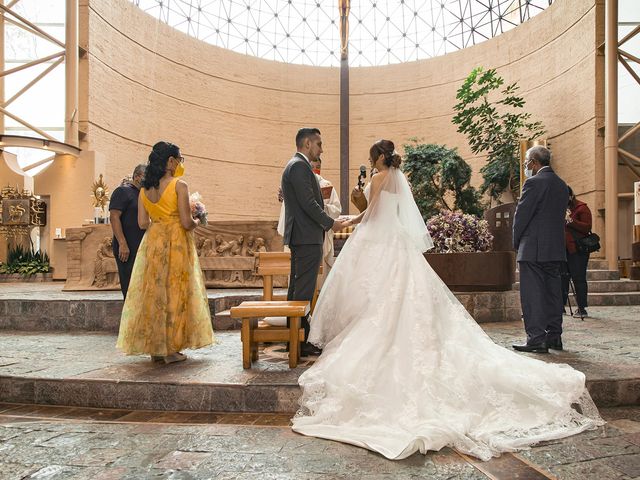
x,y
405,368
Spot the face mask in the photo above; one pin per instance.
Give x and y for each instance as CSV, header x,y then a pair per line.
x,y
528,172
316,171
179,170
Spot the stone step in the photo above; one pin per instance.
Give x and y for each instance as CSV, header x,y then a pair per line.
x,y
606,299
598,264
593,275
46,369
607,286
104,315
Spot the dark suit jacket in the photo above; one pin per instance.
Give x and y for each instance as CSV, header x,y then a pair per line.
x,y
305,220
538,224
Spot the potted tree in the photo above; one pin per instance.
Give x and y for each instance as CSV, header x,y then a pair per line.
x,y
494,121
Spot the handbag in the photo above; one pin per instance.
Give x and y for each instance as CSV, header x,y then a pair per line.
x,y
590,243
587,244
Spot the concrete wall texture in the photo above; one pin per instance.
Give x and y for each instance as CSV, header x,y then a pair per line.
x,y
235,116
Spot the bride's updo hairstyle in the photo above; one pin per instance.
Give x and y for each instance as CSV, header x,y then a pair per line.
x,y
388,149
157,166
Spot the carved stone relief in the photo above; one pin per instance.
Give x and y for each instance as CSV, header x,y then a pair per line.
x,y
226,251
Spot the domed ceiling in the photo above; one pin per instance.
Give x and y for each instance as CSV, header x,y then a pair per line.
x,y
308,31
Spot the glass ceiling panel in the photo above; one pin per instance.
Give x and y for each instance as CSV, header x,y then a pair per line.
x,y
307,31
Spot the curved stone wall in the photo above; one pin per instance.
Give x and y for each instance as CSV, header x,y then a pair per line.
x,y
235,116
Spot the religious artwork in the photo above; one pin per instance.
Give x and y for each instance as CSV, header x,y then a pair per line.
x,y
15,212
227,252
105,269
20,211
99,198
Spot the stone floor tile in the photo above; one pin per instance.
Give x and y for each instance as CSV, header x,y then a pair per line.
x,y
221,462
627,464
625,425
607,447
54,472
633,438
588,470
100,473
179,460
17,471
99,457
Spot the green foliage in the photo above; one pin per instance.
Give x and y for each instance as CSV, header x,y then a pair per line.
x,y
25,261
439,180
495,128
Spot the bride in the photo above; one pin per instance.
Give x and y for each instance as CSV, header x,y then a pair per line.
x,y
405,368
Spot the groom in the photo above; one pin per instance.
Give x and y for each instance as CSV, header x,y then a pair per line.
x,y
305,222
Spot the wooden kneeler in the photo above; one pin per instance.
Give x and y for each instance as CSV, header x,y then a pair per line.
x,y
253,333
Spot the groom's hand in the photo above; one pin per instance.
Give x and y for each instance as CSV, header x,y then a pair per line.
x,y
338,225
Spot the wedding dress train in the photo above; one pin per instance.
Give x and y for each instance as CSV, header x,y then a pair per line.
x,y
405,368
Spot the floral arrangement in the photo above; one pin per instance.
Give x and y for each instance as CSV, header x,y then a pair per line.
x,y
198,210
459,232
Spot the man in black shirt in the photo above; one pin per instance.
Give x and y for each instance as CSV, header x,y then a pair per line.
x,y
127,235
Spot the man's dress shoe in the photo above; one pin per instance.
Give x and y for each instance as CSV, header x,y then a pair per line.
x,y
538,348
554,343
309,350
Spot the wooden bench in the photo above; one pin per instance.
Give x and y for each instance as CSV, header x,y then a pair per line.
x,y
252,333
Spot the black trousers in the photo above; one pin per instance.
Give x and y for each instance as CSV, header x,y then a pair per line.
x,y
305,264
124,272
541,300
576,270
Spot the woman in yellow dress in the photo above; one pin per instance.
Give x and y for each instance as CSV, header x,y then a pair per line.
x,y
166,309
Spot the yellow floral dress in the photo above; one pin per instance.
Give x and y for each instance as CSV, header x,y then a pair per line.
x,y
166,309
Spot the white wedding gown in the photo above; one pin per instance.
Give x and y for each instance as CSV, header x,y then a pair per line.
x,y
405,368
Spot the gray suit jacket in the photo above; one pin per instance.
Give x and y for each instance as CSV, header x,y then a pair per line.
x,y
538,224
305,220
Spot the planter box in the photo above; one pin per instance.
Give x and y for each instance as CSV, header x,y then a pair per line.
x,y
19,278
475,272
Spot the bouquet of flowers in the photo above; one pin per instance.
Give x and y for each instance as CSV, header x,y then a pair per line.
x,y
459,232
198,210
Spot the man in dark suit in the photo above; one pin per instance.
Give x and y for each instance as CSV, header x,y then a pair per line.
x,y
538,236
305,221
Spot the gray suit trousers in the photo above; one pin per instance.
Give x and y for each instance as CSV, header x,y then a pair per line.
x,y
541,299
305,264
